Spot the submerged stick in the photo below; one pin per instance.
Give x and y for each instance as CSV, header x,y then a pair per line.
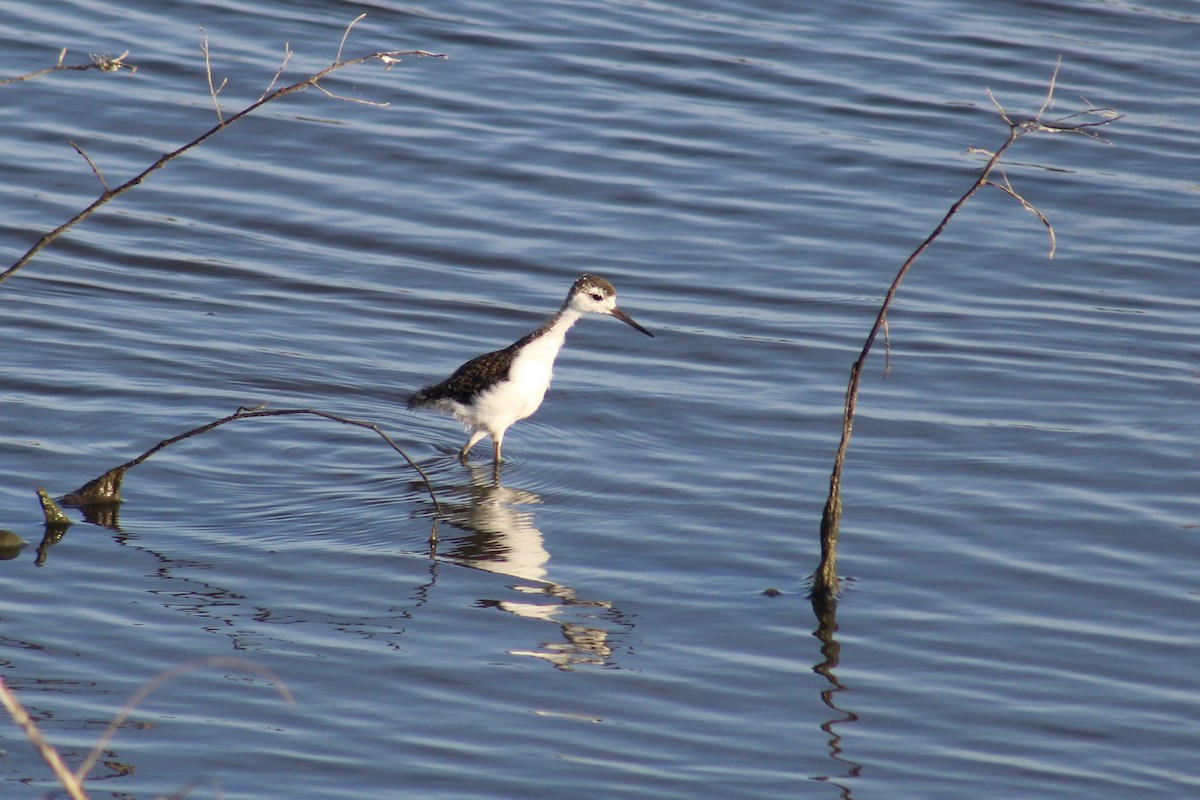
x,y
107,487
824,579
389,58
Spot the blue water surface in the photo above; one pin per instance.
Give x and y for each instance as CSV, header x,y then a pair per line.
x,y
1019,539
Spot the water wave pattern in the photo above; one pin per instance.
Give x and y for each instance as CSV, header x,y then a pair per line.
x,y
1020,497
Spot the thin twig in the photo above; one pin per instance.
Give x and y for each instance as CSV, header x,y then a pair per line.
x,y
208,72
1065,124
108,484
346,35
1048,103
387,57
1006,187
92,164
887,350
999,109
44,749
287,56
158,680
358,100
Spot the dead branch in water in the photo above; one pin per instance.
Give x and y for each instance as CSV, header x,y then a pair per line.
x,y
825,580
106,489
101,62
389,58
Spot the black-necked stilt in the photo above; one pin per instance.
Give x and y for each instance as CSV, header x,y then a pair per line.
x,y
489,393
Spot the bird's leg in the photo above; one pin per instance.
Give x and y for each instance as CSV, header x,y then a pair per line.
x,y
496,458
475,437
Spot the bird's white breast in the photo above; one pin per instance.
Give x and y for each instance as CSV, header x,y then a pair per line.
x,y
528,379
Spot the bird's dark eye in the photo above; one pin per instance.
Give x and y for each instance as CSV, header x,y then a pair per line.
x,y
597,296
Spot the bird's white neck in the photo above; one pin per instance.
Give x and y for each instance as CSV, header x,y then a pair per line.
x,y
552,333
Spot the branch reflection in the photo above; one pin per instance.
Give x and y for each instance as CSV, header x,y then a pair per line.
x,y
825,609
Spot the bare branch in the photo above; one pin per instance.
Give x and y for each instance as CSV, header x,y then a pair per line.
x,y
103,63
1062,124
1065,124
824,579
387,57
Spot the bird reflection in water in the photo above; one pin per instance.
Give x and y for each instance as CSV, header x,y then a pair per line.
x,y
501,537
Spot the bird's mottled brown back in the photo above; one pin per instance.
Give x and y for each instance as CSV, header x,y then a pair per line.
x,y
468,380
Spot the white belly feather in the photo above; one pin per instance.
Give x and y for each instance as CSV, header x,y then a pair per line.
x,y
522,393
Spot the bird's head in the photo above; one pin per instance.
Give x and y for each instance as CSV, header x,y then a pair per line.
x,y
591,294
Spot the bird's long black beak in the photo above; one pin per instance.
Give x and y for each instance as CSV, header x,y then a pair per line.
x,y
628,320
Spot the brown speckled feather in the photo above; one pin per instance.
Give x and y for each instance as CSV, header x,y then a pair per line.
x,y
468,380
474,376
